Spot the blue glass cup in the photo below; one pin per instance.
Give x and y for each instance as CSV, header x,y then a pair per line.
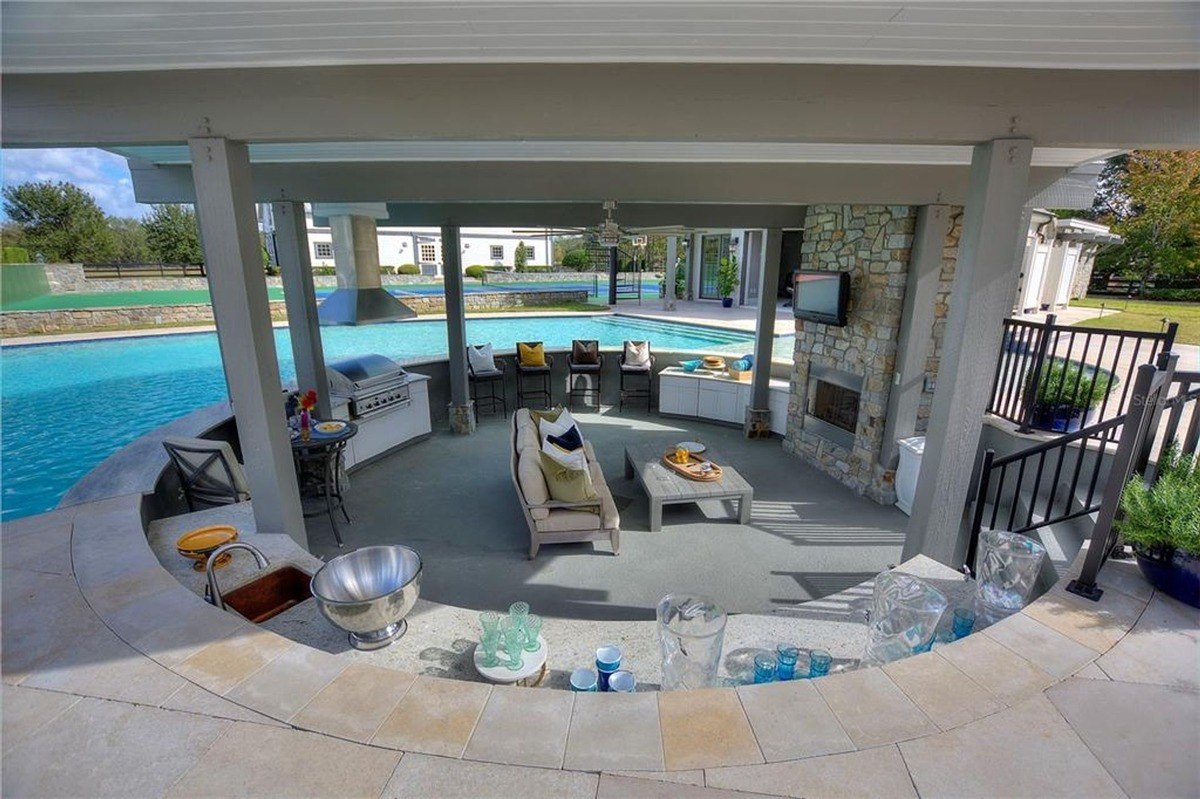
x,y
584,680
964,622
818,663
785,662
608,660
764,668
622,682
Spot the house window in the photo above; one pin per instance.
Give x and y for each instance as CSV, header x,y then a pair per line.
x,y
322,249
428,253
530,253
497,252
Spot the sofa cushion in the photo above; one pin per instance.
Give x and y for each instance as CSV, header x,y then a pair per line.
x,y
569,441
527,437
571,459
558,426
531,354
610,518
566,484
566,521
533,482
550,413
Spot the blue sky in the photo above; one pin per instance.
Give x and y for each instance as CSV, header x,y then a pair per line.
x,y
104,175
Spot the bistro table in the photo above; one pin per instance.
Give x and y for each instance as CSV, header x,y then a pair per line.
x,y
319,470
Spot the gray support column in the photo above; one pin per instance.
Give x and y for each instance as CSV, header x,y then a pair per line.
x,y
291,247
462,414
764,341
614,259
221,170
672,268
984,280
912,351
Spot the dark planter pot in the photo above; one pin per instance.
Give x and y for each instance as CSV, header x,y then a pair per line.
x,y
1059,418
727,302
1177,577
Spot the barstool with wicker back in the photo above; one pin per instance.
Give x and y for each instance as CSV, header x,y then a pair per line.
x,y
533,365
587,362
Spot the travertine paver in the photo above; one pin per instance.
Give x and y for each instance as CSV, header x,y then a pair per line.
x,y
704,728
25,711
946,695
610,730
1027,750
1163,647
435,717
1138,732
39,543
1004,673
877,773
871,709
194,699
355,703
1049,650
426,777
280,688
690,777
250,760
1097,625
791,720
522,727
187,631
44,616
220,666
614,787
100,748
1092,672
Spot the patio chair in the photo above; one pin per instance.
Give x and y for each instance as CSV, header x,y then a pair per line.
x,y
480,374
208,471
585,362
537,374
637,361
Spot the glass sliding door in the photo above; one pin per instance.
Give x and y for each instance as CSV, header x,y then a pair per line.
x,y
712,250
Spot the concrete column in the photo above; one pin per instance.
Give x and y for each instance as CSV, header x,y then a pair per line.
x,y
984,281
462,414
224,196
764,341
920,296
672,269
291,246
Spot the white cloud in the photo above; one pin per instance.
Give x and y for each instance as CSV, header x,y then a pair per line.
x,y
102,174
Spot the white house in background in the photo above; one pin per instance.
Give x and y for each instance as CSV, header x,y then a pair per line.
x,y
1058,261
422,246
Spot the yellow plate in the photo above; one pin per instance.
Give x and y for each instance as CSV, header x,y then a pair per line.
x,y
205,539
331,427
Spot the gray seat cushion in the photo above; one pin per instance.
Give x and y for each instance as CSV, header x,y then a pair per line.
x,y
584,367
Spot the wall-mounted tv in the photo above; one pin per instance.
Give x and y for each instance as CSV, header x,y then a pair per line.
x,y
821,296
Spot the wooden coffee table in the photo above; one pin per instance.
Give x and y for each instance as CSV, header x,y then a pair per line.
x,y
665,487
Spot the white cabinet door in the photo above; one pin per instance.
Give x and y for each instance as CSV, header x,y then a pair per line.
x,y
779,410
677,395
718,402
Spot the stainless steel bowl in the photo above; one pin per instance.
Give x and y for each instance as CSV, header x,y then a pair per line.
x,y
368,592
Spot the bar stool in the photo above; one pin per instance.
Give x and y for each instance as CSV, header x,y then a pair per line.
x,y
636,361
585,361
539,375
479,374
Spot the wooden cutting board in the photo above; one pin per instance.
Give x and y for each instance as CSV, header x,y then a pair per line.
x,y
691,469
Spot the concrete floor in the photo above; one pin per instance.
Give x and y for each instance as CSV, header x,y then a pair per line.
x,y
452,499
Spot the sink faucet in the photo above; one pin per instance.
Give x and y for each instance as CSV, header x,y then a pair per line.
x,y
212,592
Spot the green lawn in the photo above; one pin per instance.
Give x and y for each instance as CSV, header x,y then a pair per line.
x,y
1145,315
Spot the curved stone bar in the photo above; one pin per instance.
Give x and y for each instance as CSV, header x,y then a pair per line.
x,y
89,610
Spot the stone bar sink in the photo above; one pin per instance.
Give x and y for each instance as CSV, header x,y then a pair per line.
x,y
271,594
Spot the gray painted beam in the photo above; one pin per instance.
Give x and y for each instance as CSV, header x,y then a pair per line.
x,y
764,339
243,318
920,296
984,281
456,319
291,247
671,102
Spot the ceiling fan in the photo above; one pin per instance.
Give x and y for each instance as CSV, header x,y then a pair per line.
x,y
608,233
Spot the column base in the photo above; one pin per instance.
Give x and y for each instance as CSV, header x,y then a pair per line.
x,y
757,423
462,418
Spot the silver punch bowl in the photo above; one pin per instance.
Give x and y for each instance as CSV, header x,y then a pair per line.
x,y
368,592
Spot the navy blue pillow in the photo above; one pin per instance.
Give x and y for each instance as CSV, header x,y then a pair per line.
x,y
569,441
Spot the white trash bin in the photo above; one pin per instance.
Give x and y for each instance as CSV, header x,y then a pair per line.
x,y
911,450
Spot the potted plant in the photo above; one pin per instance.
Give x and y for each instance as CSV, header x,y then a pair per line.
x,y
727,279
1067,392
1161,521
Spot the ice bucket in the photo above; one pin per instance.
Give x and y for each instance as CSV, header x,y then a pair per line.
x,y
691,631
368,592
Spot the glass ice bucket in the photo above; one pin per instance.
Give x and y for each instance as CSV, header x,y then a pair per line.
x,y
1006,570
905,612
691,631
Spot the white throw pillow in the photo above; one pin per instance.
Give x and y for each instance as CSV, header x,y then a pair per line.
x,y
572,460
558,427
637,353
481,358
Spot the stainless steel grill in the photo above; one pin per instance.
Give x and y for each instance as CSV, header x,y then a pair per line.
x,y
372,383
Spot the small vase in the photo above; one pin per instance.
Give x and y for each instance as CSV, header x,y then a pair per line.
x,y
305,426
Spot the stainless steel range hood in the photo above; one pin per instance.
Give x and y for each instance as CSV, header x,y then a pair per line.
x,y
360,298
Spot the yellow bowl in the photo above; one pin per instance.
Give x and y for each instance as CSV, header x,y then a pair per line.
x,y
196,545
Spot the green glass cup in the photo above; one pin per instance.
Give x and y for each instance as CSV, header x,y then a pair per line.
x,y
533,626
514,643
518,612
490,621
488,644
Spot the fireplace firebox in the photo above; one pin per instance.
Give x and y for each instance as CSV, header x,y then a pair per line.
x,y
833,398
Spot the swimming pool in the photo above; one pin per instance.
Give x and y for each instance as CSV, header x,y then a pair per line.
x,y
66,407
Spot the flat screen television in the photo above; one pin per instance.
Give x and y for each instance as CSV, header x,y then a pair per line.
x,y
821,296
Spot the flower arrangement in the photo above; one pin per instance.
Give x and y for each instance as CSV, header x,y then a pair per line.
x,y
308,402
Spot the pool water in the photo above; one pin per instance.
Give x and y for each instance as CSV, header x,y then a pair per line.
x,y
66,407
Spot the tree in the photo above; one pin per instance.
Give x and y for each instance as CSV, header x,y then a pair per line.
x,y
172,234
129,238
577,259
520,256
60,221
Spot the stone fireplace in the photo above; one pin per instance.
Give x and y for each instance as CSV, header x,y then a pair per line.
x,y
833,400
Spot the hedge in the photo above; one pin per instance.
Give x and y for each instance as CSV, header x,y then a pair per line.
x,y
14,255
1172,295
408,269
475,271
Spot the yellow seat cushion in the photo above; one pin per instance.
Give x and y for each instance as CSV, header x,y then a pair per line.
x,y
531,354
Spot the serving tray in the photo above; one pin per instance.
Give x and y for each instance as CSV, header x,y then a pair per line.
x,y
691,469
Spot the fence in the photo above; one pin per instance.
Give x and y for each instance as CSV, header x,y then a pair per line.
x,y
118,270
1063,378
1134,287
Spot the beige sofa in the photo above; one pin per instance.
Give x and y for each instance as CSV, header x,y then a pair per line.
x,y
552,522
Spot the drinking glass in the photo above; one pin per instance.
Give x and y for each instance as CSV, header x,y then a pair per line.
x,y
818,663
514,643
764,668
785,662
490,621
488,644
533,625
583,679
964,621
518,612
622,682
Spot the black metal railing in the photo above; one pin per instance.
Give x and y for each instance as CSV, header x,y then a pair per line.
x,y
119,270
1074,375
